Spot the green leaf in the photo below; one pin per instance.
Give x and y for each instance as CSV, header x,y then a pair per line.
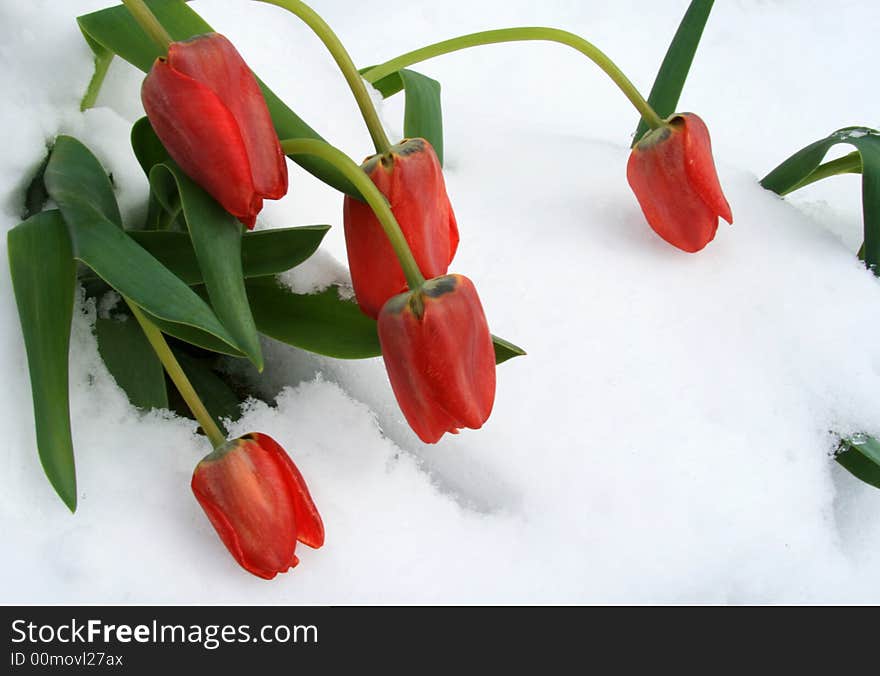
x,y
795,171
505,350
115,30
423,115
78,184
132,362
216,240
321,322
147,147
860,455
325,323
194,336
677,62
43,278
263,253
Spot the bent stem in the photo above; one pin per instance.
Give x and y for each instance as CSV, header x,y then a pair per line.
x,y
313,20
371,195
178,377
522,34
148,21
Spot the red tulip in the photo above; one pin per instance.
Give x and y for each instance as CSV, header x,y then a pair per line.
x,y
207,109
439,356
410,177
258,503
672,173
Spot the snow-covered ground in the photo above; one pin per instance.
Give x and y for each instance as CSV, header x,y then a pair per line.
x,y
667,437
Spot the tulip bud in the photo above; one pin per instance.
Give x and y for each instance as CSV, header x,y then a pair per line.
x,y
258,503
672,173
206,107
439,356
409,175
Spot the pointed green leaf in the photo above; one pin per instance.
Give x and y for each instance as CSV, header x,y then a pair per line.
x,y
115,30
216,239
796,170
505,350
132,362
321,322
263,253
43,278
860,455
326,323
76,181
677,62
147,147
423,114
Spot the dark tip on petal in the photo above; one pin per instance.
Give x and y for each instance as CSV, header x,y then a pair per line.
x,y
409,146
439,286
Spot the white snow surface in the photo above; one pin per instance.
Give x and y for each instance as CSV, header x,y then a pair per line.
x,y
668,436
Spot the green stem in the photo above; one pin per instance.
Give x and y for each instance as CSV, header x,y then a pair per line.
x,y
346,65
148,21
521,34
371,195
848,164
178,377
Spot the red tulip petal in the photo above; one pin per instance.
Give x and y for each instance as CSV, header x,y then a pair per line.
x,y
672,207
213,61
202,136
309,526
700,166
411,178
441,363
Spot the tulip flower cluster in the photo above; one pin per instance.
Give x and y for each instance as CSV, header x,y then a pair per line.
x,y
218,124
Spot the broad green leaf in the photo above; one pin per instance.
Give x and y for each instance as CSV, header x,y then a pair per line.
x,y
43,278
147,147
677,62
216,239
263,253
325,323
321,322
423,115
194,336
132,362
115,30
860,455
796,170
76,181
220,400
505,350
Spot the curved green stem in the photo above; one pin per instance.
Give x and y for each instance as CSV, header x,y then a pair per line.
x,y
522,34
346,65
178,377
848,164
148,21
370,193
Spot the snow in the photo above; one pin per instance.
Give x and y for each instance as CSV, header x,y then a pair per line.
x,y
668,436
